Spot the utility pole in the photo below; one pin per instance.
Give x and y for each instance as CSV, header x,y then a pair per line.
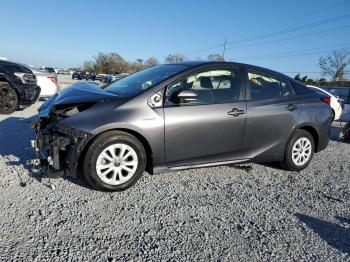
x,y
225,48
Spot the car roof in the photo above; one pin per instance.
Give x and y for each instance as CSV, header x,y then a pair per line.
x,y
258,68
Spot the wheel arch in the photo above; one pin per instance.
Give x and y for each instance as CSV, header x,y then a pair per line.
x,y
333,114
3,78
311,130
139,136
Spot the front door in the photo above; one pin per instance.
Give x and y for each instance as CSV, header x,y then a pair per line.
x,y
209,128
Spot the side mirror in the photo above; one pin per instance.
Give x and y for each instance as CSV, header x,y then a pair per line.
x,y
187,96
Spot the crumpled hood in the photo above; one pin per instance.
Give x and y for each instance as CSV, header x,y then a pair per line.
x,y
77,93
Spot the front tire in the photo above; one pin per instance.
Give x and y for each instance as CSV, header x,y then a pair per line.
x,y
114,161
8,99
299,151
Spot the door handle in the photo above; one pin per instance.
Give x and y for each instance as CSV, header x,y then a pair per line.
x,y
236,112
291,107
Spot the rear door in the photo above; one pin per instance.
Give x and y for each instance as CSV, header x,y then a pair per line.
x,y
272,112
209,128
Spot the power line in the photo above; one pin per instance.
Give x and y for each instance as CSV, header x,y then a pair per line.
x,y
204,50
224,45
294,37
295,53
293,29
285,31
309,49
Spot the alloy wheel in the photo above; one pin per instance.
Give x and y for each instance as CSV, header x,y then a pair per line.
x,y
117,164
301,151
8,100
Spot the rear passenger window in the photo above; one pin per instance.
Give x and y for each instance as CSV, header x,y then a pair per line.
x,y
211,87
262,86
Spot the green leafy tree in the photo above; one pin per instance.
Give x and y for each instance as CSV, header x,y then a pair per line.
x,y
303,79
297,77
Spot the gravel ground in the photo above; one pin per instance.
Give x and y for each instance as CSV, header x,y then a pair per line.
x,y
248,212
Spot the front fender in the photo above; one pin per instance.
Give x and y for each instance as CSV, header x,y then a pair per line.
x,y
147,122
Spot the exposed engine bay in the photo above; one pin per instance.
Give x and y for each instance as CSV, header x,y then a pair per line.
x,y
57,146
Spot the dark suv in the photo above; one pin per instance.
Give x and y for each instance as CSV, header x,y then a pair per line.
x,y
183,115
18,87
80,75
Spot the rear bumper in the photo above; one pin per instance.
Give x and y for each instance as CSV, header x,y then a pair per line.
x,y
323,139
28,94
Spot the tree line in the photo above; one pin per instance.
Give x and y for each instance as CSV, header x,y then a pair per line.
x,y
113,63
334,66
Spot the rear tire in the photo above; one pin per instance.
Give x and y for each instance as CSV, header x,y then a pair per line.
x,y
299,151
114,161
8,99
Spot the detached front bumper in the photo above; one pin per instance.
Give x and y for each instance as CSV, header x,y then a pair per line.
x,y
59,147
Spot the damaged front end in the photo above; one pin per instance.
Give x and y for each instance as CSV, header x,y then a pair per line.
x,y
59,147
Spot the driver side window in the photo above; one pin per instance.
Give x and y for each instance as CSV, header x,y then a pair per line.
x,y
209,87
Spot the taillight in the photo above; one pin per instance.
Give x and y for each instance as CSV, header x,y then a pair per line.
x,y
326,99
53,79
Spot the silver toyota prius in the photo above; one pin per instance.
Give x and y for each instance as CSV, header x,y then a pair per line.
x,y
177,116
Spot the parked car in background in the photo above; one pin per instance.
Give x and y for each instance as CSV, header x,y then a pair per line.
x,y
108,79
335,102
50,70
341,92
47,82
90,76
18,86
178,116
120,76
62,71
344,94
80,75
100,77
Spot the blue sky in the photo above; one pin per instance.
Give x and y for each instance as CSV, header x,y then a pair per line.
x,y
65,33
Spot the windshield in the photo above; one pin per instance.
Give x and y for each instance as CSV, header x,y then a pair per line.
x,y
137,83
